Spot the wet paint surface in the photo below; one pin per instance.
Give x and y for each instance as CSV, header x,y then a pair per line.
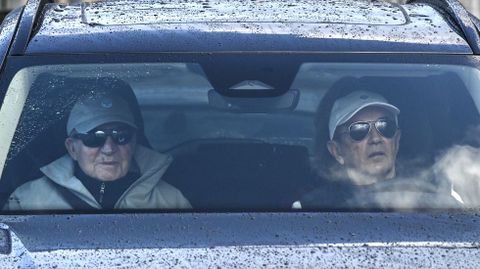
x,y
265,26
269,240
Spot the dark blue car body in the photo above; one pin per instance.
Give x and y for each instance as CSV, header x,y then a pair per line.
x,y
42,33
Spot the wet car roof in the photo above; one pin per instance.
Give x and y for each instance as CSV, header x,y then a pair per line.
x,y
209,26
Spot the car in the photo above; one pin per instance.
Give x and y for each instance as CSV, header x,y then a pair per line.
x,y
232,92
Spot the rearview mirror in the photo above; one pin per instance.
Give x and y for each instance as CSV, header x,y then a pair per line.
x,y
255,104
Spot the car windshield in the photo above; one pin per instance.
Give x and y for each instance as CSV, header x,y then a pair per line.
x,y
311,135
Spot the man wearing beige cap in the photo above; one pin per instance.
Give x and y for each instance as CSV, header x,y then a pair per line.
x,y
364,136
104,169
360,137
363,141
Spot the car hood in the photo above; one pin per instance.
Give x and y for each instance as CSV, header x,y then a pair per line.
x,y
244,240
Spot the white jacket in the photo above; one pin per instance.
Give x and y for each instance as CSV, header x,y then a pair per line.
x,y
147,192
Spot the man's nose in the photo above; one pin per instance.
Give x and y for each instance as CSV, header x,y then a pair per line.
x,y
374,137
109,147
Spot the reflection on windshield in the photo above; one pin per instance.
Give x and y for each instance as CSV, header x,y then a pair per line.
x,y
162,136
459,166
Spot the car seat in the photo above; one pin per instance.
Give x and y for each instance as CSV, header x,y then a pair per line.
x,y
242,176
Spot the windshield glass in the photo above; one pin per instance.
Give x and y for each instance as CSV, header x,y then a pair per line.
x,y
183,136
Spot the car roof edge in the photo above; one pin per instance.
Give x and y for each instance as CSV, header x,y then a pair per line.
x,y
29,20
458,16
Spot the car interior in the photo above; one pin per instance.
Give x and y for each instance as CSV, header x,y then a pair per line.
x,y
238,167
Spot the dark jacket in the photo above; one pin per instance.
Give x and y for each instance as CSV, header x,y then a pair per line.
x,y
392,194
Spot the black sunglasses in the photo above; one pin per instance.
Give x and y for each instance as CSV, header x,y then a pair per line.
x,y
359,130
97,138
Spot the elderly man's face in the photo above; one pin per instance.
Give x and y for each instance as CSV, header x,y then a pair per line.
x,y
107,162
371,159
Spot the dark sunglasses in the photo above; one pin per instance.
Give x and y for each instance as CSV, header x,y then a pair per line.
x,y
359,130
97,138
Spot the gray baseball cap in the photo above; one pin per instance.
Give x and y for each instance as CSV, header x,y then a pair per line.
x,y
346,107
92,111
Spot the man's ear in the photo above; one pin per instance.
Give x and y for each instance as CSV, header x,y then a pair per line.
x,y
70,145
332,147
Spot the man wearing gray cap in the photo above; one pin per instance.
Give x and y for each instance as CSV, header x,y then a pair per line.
x,y
104,169
363,140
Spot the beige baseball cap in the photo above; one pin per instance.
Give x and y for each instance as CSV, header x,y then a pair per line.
x,y
94,110
346,107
